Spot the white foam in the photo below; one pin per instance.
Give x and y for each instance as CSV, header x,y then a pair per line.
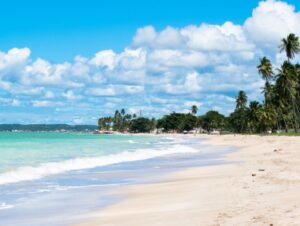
x,y
46,169
132,142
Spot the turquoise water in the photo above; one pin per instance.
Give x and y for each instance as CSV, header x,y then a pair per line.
x,y
32,149
48,178
32,156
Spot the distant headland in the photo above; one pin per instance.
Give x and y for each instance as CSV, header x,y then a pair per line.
x,y
46,128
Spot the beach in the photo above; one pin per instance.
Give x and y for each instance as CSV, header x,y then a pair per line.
x,y
259,187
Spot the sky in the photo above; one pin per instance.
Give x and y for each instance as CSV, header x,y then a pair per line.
x,y
72,62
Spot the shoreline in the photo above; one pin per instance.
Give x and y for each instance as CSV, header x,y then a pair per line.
x,y
259,188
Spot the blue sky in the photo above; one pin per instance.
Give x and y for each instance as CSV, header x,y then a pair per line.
x,y
72,62
58,30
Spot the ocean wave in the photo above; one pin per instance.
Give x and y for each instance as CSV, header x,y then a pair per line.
x,y
46,169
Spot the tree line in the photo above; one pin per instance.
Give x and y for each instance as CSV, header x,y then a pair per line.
x,y
173,122
279,110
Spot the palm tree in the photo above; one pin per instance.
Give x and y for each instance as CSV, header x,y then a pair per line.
x,y
286,79
268,92
286,87
265,69
241,99
253,118
267,118
290,46
117,120
123,111
297,70
194,109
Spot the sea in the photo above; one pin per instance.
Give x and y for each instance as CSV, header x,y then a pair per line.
x,y
58,179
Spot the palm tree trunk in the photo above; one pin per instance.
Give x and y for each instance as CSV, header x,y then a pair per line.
x,y
295,117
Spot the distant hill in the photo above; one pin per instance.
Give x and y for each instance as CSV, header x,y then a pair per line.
x,y
47,127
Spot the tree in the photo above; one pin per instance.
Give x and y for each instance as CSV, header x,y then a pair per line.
x,y
252,114
238,120
141,125
267,119
104,123
241,99
290,46
265,69
268,92
187,123
117,120
212,120
194,109
170,122
286,83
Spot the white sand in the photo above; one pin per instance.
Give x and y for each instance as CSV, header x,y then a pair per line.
x,y
261,188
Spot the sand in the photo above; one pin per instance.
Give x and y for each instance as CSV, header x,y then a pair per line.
x,y
261,187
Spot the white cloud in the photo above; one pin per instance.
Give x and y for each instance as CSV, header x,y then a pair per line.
x,y
69,95
144,36
105,59
132,59
227,37
15,103
167,58
170,38
27,90
5,85
113,90
271,21
13,58
43,72
46,103
190,84
109,91
8,101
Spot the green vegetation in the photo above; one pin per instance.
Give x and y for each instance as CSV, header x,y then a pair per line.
x,y
177,122
142,125
279,110
211,121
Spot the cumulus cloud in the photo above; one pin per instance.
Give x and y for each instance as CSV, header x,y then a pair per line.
x,y
104,59
271,21
13,58
160,71
46,103
205,37
113,90
227,37
190,84
144,36
8,101
69,95
15,102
